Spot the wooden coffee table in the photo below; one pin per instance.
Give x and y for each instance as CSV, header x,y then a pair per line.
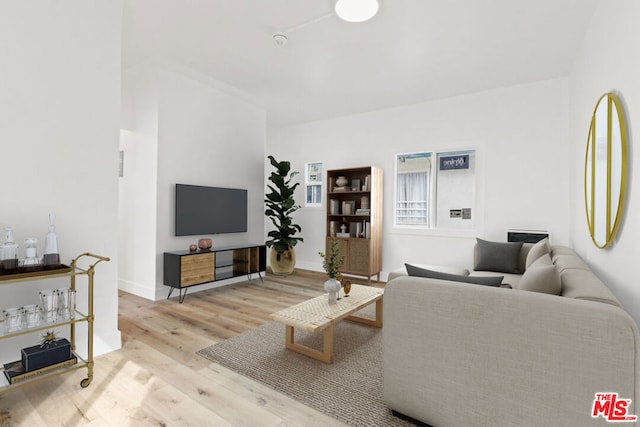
x,y
317,315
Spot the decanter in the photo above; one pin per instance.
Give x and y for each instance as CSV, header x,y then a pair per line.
x,y
31,252
51,250
9,251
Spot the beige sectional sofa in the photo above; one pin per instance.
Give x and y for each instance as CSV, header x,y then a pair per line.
x,y
461,354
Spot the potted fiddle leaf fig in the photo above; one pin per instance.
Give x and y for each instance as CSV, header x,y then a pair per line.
x,y
280,205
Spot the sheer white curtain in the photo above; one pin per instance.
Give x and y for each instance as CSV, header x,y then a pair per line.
x,y
412,198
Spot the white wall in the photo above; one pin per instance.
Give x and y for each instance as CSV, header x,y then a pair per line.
x,y
137,214
521,138
59,121
206,133
608,61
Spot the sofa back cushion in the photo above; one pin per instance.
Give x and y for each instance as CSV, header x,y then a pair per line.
x,y
503,257
578,281
539,249
541,276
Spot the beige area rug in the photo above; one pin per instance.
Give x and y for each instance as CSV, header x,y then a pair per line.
x,y
349,390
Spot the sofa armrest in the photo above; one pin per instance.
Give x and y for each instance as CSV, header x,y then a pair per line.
x,y
461,354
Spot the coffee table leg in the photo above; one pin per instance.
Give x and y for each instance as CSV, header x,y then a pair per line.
x,y
326,355
378,320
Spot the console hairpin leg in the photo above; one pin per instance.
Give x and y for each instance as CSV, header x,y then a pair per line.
x,y
181,297
259,275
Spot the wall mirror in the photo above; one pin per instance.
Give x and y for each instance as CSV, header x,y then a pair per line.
x,y
605,170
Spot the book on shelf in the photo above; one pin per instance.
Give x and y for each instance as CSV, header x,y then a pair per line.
x,y
363,211
334,207
343,188
360,229
348,207
15,372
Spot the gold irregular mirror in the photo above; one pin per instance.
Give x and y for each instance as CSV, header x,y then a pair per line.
x,y
605,170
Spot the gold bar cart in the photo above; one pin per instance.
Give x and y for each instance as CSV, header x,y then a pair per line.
x,y
71,271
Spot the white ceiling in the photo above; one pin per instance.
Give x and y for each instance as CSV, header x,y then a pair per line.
x,y
412,51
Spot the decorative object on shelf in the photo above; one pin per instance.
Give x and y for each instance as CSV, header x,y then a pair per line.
x,y
52,350
66,303
48,337
31,313
51,254
205,244
49,304
31,253
364,204
16,373
341,182
332,262
280,207
13,319
9,251
193,248
605,170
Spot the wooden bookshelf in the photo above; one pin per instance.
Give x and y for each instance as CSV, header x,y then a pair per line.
x,y
356,207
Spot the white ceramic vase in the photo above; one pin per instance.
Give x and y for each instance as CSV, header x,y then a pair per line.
x,y
332,286
342,181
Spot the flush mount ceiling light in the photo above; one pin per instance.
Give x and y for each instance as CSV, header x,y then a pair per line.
x,y
357,10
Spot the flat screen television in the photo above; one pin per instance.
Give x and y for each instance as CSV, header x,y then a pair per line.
x,y
210,210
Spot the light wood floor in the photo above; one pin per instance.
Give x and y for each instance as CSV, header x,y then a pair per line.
x,y
156,379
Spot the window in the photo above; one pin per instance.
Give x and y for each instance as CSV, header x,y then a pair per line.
x,y
313,184
435,190
413,178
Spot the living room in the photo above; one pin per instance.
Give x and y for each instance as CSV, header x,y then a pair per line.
x,y
66,103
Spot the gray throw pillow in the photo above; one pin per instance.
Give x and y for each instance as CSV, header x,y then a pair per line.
x,y
412,270
539,249
497,256
542,276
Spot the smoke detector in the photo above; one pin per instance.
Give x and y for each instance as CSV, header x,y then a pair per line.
x,y
280,39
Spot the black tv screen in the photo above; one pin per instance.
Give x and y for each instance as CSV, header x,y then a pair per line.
x,y
210,210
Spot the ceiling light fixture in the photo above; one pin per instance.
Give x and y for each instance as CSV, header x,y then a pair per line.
x,y
356,10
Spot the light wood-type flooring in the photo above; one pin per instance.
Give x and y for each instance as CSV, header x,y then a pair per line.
x,y
156,379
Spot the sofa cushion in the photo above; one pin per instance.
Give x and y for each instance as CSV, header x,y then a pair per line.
x,y
430,274
510,278
497,256
539,249
541,276
441,268
584,285
569,262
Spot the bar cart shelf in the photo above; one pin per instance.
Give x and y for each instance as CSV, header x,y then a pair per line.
x,y
72,271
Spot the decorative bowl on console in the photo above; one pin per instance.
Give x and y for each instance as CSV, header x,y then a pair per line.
x,y
205,244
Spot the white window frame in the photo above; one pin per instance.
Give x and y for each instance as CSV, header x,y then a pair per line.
x,y
429,189
313,181
431,224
